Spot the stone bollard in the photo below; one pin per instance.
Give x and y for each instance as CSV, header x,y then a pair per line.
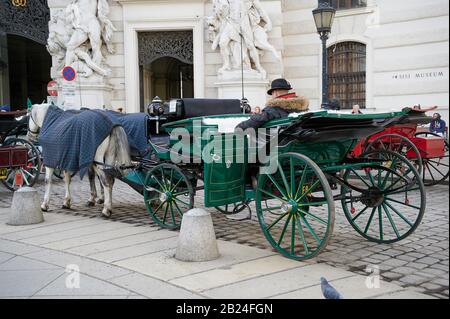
x,y
197,239
25,208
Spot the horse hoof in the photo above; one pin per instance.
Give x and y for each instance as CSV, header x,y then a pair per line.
x,y
100,201
65,207
90,204
107,213
44,208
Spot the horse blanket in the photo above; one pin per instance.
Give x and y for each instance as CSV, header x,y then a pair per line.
x,y
135,126
69,139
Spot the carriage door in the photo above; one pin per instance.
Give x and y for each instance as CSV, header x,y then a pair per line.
x,y
166,65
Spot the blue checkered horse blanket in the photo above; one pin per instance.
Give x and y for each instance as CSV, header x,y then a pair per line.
x,y
135,126
69,139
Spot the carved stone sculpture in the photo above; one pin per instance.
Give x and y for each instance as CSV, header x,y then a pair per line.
x,y
239,28
77,35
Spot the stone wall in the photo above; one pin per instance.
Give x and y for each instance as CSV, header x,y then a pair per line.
x,y
407,50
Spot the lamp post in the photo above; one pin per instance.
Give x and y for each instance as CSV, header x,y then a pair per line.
x,y
323,17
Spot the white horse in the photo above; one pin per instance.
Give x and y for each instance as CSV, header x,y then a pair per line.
x,y
112,152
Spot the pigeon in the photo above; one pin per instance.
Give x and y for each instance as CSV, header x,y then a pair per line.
x,y
328,291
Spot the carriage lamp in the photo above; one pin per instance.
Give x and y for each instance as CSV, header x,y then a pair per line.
x,y
156,107
323,17
245,106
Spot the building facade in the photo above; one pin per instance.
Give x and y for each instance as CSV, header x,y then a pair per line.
x,y
382,54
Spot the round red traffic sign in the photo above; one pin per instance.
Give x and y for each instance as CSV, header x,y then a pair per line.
x,y
69,73
52,88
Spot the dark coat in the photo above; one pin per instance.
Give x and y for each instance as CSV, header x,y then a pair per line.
x,y
277,108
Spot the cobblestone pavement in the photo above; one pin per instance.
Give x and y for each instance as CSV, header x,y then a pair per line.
x,y
420,261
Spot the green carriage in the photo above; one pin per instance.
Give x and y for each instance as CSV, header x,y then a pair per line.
x,y
306,170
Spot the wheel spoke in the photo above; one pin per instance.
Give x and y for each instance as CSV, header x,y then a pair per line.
x,y
311,230
404,204
360,213
360,177
278,186
308,191
399,214
272,195
292,177
284,230
293,235
436,169
182,202
370,220
276,221
391,220
320,220
160,185
172,214
302,179
165,213
380,222
302,236
269,209
180,212
283,176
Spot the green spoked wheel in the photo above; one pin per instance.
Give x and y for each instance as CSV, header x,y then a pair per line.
x,y
390,199
168,194
295,207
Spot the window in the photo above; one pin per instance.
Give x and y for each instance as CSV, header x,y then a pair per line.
x,y
348,4
347,74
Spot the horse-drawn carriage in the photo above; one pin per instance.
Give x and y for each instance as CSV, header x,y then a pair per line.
x,y
286,169
17,155
381,192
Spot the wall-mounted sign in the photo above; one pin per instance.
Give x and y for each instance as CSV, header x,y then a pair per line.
x,y
420,75
19,3
69,73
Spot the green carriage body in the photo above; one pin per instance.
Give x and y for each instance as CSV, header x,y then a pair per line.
x,y
224,177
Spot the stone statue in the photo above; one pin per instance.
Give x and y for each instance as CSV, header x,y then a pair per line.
x,y
77,34
240,21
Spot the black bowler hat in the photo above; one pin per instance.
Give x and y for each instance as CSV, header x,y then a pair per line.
x,y
279,84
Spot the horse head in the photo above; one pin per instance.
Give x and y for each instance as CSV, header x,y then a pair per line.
x,y
37,116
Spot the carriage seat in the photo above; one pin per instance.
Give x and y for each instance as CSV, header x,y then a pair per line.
x,y
189,108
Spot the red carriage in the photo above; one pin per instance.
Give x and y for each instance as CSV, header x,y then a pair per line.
x,y
428,151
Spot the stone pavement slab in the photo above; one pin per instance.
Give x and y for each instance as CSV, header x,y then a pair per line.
x,y
154,288
235,273
277,283
165,267
89,286
350,288
121,242
26,283
23,263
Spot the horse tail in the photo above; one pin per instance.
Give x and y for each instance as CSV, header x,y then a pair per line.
x,y
118,148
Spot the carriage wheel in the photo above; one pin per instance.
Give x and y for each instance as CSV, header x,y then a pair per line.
x,y
295,207
168,194
31,172
398,144
435,170
390,201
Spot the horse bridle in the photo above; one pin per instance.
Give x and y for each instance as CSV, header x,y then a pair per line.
x,y
28,129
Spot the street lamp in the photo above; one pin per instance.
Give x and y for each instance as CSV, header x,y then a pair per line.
x,y
323,17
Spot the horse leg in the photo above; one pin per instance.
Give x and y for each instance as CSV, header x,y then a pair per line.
x,y
106,182
48,186
101,199
91,175
68,197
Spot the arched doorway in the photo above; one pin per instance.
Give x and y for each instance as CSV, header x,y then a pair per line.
x,y
166,65
24,61
167,78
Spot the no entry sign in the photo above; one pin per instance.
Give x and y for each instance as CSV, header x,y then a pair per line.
x,y
52,88
69,73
